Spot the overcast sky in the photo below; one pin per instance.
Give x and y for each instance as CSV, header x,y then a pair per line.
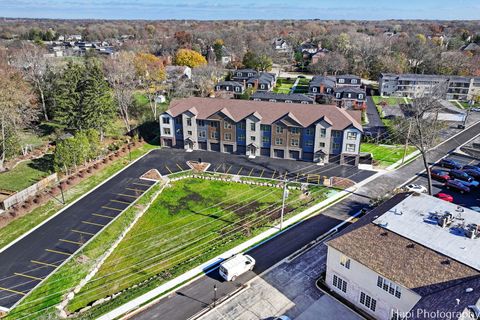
x,y
242,9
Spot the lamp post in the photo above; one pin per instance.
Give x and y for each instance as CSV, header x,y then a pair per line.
x,y
214,295
284,197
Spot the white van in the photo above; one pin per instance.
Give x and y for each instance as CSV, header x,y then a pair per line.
x,y
230,269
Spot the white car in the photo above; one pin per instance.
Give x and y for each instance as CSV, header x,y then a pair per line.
x,y
470,184
235,266
416,188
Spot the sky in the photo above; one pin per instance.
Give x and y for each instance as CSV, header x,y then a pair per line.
x,y
243,9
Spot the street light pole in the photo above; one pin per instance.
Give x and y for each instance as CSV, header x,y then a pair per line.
x,y
284,197
214,295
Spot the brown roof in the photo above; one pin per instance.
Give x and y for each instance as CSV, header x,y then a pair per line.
x,y
270,112
400,259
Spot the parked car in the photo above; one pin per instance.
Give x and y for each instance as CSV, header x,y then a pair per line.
x,y
235,266
416,188
471,167
451,164
469,183
475,109
460,175
473,173
444,196
440,175
456,186
284,317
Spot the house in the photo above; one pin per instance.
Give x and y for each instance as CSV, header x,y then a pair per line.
x,y
252,128
348,80
319,55
350,98
226,56
230,86
343,90
242,75
414,85
281,97
472,48
178,72
322,85
280,45
413,257
263,81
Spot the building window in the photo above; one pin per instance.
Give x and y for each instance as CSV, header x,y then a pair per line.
x,y
309,131
350,147
201,123
321,144
340,283
239,74
202,134
309,143
389,287
166,131
341,80
352,135
304,102
335,146
279,129
179,131
354,80
214,124
368,301
166,120
227,88
294,142
338,95
272,100
329,90
265,139
214,135
218,88
345,261
278,141
241,125
227,136
288,101
227,125
253,138
237,89
294,130
253,127
189,133
323,133
189,121
241,137
250,74
349,95
178,120
360,96
264,127
336,134
262,86
314,89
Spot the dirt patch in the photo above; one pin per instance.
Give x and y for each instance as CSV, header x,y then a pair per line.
x,y
342,183
242,209
152,174
198,166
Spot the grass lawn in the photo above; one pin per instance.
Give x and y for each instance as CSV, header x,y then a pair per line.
x,y
385,154
21,225
304,82
391,101
26,173
189,223
283,88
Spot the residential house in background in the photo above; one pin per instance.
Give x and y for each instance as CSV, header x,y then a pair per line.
x,y
311,52
413,257
344,90
281,130
175,73
281,46
350,98
230,86
281,97
414,85
253,79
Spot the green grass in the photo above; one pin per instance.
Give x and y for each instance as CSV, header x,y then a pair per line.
x,y
181,230
283,88
304,82
385,155
21,225
391,101
140,99
26,173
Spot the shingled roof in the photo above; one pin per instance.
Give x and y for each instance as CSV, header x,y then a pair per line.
x,y
270,112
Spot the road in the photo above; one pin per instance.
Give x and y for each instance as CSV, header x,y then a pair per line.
x,y
195,297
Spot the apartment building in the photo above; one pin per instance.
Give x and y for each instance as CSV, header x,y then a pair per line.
x,y
413,257
343,90
414,85
281,97
250,78
253,128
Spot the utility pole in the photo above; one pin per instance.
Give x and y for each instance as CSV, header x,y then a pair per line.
x,y
214,295
470,105
284,197
406,141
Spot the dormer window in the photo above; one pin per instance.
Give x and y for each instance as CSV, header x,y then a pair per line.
x,y
239,74
250,74
314,89
338,95
341,80
237,89
288,101
360,96
354,80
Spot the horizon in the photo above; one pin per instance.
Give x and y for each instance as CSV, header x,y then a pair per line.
x,y
214,10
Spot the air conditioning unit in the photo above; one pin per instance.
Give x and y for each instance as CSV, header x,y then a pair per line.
x,y
472,231
445,220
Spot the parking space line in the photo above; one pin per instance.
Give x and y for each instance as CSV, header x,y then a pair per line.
x,y
250,172
44,263
181,169
273,175
93,223
228,169
261,174
141,184
59,252
136,190
83,232
126,195
298,174
114,209
102,215
119,201
168,169
218,167
238,173
27,276
70,241
14,291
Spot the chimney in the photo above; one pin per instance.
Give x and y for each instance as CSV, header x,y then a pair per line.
x,y
322,88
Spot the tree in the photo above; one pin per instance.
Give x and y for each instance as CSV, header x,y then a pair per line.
x,y
218,49
249,60
30,59
120,72
151,73
190,58
261,62
15,111
184,39
331,63
204,79
83,99
421,129
264,63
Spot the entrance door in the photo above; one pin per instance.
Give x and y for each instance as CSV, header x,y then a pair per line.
x,y
252,150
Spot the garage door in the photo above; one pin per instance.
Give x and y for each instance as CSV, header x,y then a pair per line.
x,y
215,147
241,150
294,155
278,153
308,156
228,148
202,145
179,144
265,152
167,143
350,160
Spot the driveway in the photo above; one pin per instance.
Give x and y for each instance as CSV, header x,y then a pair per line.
x,y
375,125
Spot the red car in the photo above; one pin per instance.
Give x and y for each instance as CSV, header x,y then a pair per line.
x,y
444,196
440,175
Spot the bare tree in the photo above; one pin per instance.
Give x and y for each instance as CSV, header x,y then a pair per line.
x,y
120,71
31,60
204,79
421,127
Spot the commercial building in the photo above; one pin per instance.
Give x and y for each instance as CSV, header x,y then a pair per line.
x,y
281,130
413,257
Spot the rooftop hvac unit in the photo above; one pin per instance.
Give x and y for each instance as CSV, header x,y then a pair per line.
x,y
472,231
445,220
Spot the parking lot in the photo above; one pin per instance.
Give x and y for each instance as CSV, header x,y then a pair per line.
x,y
469,200
28,261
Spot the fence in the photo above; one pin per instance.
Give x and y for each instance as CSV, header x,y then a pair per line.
x,y
28,192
